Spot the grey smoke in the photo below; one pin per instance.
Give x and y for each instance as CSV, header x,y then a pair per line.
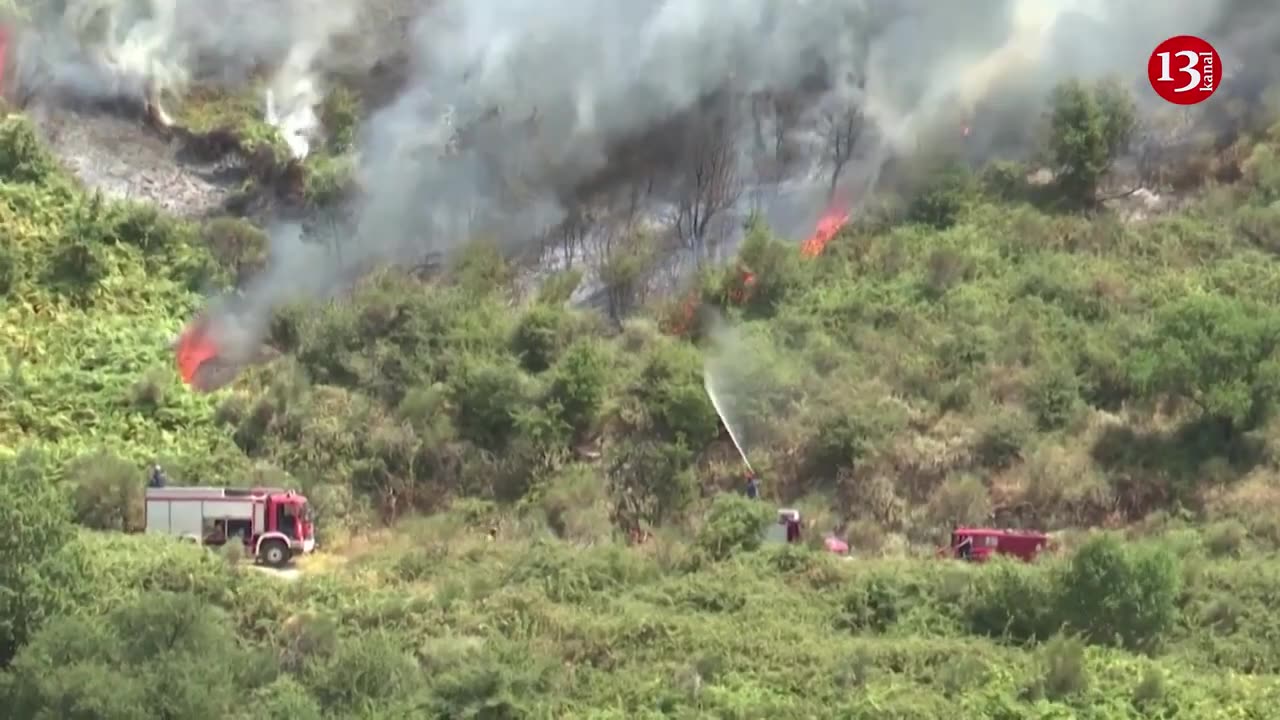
x,y
512,106
139,49
510,102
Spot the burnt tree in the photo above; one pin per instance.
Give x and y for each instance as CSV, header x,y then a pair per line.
x,y
775,116
708,183
841,126
567,241
625,259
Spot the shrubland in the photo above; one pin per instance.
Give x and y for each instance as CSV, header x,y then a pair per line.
x,y
444,622
990,349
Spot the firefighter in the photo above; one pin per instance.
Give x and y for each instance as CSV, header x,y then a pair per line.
x,y
753,486
158,479
965,549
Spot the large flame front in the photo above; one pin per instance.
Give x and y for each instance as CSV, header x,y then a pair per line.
x,y
195,348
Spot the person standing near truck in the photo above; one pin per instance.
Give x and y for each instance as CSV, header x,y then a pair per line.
x,y
753,487
157,478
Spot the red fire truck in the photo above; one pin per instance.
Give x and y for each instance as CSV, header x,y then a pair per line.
x,y
274,524
979,544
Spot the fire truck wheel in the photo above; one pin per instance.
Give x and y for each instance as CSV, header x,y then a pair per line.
x,y
274,553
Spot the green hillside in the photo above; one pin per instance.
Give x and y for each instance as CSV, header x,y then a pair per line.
x,y
986,349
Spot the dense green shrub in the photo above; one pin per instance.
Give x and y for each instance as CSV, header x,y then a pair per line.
x,y
1113,593
108,493
734,524
579,383
1015,600
35,526
23,159
539,337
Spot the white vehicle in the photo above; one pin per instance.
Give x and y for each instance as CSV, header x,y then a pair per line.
x,y
787,530
274,524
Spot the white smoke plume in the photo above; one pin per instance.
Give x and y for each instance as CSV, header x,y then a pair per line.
x,y
139,50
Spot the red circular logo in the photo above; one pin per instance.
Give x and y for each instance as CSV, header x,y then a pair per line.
x,y
1184,70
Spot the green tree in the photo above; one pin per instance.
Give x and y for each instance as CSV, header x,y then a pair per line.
x,y
538,337
558,289
650,483
237,246
734,524
1219,353
284,698
1119,594
942,196
578,384
479,268
361,671
488,395
1054,396
623,268
1089,127
1012,599
672,399
775,265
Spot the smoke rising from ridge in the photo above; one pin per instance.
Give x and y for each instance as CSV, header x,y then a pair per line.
x,y
136,51
513,105
544,93
514,110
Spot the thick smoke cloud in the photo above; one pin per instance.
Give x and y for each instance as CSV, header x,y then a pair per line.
x,y
544,92
512,103
511,108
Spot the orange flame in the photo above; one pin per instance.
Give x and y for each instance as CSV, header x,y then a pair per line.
x,y
828,226
194,349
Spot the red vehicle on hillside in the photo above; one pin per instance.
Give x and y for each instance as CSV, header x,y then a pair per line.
x,y
979,544
274,524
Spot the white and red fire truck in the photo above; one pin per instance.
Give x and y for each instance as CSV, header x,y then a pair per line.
x,y
274,524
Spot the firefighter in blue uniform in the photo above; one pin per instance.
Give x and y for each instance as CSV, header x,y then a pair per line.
x,y
157,479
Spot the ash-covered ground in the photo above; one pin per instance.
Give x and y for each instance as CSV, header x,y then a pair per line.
x,y
124,157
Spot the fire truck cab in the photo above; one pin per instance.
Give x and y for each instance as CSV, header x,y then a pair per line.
x,y
274,524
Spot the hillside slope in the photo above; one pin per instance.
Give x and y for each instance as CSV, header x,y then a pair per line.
x,y
990,358
992,351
